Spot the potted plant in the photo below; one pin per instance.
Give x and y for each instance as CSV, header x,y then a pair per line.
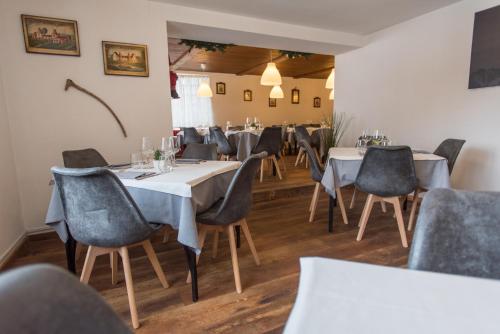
x,y
157,156
336,125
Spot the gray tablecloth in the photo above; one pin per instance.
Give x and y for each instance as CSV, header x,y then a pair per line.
x,y
244,142
159,207
339,173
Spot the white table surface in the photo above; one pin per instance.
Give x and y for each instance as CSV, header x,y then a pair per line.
x,y
352,153
347,297
181,180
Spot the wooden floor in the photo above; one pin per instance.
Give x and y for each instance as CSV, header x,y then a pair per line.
x,y
282,234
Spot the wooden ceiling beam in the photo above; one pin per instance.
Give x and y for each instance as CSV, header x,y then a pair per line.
x,y
276,60
303,75
183,58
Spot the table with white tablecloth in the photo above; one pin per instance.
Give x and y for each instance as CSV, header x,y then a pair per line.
x,y
347,297
244,141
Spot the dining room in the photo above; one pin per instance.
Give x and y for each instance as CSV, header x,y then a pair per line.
x,y
185,166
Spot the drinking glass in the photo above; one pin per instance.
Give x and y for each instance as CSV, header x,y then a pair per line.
x,y
165,162
137,160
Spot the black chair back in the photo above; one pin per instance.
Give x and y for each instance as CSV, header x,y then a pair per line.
x,y
99,210
269,142
449,149
85,158
212,135
458,232
316,170
200,151
223,144
302,134
191,135
387,171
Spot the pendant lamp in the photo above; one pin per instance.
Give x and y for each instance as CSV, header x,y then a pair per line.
x,y
271,75
204,89
330,82
332,95
276,93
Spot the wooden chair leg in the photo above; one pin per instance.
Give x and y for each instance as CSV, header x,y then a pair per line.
x,y
340,201
113,258
234,258
166,236
413,211
88,265
248,236
307,161
383,206
215,244
155,263
299,156
314,202
399,219
275,162
123,251
364,217
353,199
284,163
262,170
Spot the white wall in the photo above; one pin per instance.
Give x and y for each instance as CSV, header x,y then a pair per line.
x,y
11,225
411,81
231,107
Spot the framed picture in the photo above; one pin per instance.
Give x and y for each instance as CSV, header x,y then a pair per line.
x,y
220,88
317,102
50,35
125,59
272,102
295,96
247,95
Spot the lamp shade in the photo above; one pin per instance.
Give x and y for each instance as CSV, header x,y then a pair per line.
x,y
330,82
276,93
204,90
271,76
332,95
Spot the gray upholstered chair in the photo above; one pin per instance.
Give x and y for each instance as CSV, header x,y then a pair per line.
x,y
458,232
46,299
230,212
200,151
191,135
101,213
301,134
85,158
449,149
385,174
224,147
269,142
211,133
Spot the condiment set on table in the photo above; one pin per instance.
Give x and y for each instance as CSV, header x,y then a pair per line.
x,y
161,160
366,140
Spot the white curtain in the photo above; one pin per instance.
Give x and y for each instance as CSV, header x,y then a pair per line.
x,y
189,109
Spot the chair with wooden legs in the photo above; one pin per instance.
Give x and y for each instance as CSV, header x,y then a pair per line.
x,y
224,147
300,135
101,213
317,171
191,135
230,212
386,173
200,151
269,142
449,149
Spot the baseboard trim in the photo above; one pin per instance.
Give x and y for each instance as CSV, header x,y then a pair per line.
x,y
9,253
39,230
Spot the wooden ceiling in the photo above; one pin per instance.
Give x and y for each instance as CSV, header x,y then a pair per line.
x,y
243,60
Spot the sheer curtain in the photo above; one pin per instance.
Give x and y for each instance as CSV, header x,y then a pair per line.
x,y
189,109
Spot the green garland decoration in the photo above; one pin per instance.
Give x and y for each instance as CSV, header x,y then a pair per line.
x,y
206,46
294,54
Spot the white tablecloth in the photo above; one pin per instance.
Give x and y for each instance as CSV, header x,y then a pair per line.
x,y
347,297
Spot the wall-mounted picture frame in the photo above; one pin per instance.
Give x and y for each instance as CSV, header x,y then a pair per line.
x,y
317,102
49,35
272,102
247,95
220,88
125,59
295,96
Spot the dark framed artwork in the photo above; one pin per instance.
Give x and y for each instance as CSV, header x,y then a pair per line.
x,y
220,88
125,59
295,96
272,102
317,102
485,54
247,95
50,35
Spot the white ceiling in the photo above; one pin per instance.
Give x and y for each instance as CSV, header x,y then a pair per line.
x,y
351,16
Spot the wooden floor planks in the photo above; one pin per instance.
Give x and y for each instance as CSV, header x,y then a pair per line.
x,y
282,234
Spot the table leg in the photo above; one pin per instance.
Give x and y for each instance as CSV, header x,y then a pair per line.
x,y
191,258
70,246
331,204
238,238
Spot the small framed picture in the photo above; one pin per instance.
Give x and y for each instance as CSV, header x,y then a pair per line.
x,y
295,96
50,36
317,102
125,59
272,102
247,95
220,88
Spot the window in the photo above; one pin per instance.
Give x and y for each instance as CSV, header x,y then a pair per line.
x,y
189,109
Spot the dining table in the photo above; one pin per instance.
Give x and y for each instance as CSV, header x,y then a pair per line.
x,y
244,141
343,164
172,199
336,296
